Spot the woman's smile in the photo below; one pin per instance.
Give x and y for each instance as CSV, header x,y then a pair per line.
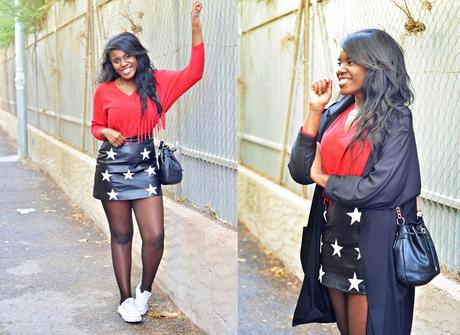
x,y
343,80
351,75
125,65
126,71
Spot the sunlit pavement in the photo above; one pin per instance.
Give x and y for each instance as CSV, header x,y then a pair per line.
x,y
56,273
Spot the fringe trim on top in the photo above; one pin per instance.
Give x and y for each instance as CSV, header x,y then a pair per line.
x,y
148,127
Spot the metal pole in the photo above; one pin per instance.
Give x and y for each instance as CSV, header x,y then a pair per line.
x,y
291,92
21,102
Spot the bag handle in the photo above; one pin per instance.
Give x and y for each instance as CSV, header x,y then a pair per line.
x,y
419,209
400,220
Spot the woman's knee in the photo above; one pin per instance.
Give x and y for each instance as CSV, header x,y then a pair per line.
x,y
155,240
121,237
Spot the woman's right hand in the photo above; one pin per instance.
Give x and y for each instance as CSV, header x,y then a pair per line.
x,y
197,6
114,137
320,94
197,36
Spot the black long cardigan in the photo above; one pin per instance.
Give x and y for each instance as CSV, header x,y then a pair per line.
x,y
391,178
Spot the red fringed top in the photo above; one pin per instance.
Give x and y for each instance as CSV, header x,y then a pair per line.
x,y
335,157
117,110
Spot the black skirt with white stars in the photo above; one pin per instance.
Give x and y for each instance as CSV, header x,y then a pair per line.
x,y
128,172
341,264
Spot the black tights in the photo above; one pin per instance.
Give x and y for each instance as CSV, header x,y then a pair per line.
x,y
350,312
149,217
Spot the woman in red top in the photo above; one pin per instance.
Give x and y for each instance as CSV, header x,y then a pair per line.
x,y
365,166
130,103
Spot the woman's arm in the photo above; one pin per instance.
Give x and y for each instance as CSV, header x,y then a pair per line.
x,y
99,128
197,36
304,148
316,170
99,120
172,84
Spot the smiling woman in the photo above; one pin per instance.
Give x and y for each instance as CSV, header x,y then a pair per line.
x,y
365,166
130,103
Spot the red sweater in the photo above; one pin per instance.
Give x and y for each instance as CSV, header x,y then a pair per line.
x,y
337,161
117,110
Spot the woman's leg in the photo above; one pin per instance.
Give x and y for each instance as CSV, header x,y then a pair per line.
x,y
339,302
149,216
121,234
357,314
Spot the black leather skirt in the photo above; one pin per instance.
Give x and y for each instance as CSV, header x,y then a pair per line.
x,y
127,172
341,260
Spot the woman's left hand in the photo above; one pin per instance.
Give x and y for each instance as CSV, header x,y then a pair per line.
x,y
196,10
316,170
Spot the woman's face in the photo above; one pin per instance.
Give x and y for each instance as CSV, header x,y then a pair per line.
x,y
124,64
351,76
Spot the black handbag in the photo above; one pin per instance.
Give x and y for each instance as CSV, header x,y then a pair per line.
x,y
415,258
169,168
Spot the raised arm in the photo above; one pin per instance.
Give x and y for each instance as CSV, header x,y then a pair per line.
x,y
304,148
172,84
197,36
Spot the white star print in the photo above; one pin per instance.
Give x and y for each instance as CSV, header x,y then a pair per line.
x,y
337,248
324,214
112,194
111,154
106,175
151,189
151,170
359,253
128,175
321,273
321,247
145,154
354,282
355,216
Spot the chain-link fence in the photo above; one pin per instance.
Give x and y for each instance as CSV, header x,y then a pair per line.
x,y
62,65
271,115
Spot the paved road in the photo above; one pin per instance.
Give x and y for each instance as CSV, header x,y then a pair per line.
x,y
267,293
56,274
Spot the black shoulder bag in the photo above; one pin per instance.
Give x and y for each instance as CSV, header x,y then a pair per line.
x,y
169,168
416,261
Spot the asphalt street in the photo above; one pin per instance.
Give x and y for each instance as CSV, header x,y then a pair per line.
x,y
56,273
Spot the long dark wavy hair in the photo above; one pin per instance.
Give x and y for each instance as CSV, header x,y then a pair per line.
x,y
144,78
387,90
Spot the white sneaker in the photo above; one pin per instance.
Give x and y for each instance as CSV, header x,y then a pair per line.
x,y
142,300
129,312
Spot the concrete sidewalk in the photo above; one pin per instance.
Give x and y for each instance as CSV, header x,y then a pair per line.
x,y
267,295
56,274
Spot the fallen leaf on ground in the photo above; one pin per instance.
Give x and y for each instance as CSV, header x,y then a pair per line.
x,y
83,240
162,314
50,210
77,216
278,271
88,256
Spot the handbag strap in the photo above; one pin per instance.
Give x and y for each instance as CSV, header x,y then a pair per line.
x,y
400,220
419,209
